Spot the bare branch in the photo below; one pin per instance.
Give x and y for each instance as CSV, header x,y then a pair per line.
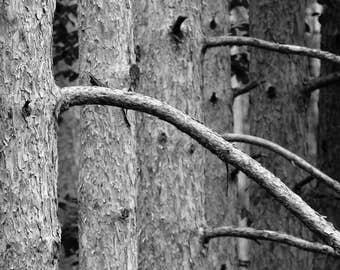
x,y
293,158
320,82
251,233
210,42
298,186
250,86
85,95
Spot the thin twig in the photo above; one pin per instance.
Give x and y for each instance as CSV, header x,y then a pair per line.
x,y
210,42
293,158
85,95
95,82
251,233
320,82
298,186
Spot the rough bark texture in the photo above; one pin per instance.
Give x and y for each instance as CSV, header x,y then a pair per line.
x,y
29,233
217,97
107,185
171,187
278,113
326,201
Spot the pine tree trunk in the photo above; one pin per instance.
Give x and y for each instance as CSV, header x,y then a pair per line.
x,y
30,232
220,190
278,113
107,185
329,127
171,180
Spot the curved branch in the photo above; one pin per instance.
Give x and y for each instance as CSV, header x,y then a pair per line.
x,y
320,82
293,158
85,95
250,233
210,42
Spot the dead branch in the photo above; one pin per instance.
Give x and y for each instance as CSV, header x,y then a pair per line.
x,y
299,185
210,42
320,82
251,233
86,95
250,86
293,158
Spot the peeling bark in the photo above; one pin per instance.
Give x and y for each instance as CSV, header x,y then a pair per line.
x,y
30,232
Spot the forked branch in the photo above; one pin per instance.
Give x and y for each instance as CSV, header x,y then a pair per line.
x,y
293,158
251,233
210,42
85,95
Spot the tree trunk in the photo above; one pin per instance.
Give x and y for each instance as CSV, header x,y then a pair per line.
x,y
217,97
171,177
329,127
278,112
107,185
30,232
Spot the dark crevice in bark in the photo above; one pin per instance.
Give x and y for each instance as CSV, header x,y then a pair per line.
x,y
65,56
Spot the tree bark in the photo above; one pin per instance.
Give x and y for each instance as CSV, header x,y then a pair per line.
x,y
217,99
329,127
30,232
171,177
278,112
107,185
